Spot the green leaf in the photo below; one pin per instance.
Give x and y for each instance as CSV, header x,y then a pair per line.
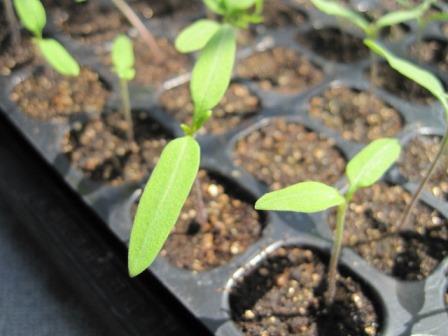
x,y
397,17
196,36
301,197
370,164
32,15
422,77
123,57
59,58
162,200
440,16
215,6
238,4
213,70
335,9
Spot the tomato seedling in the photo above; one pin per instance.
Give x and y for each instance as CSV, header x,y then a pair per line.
x,y
33,17
363,170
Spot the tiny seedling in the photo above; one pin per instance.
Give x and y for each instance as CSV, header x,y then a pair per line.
x,y
371,30
173,177
123,65
431,83
32,16
363,170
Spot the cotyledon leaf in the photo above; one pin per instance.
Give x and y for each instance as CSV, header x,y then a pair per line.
x,y
32,15
123,57
305,197
196,35
59,58
161,201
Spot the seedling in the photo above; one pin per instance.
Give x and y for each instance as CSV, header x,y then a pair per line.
x,y
32,16
431,83
363,170
371,30
174,175
123,63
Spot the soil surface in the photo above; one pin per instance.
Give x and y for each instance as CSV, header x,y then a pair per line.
x,y
47,95
398,85
282,153
356,115
432,51
101,149
232,226
150,72
415,160
371,230
238,105
284,296
94,22
279,14
280,69
335,45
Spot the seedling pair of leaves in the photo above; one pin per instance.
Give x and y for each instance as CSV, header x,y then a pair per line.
x,y
172,179
363,170
32,16
431,83
238,13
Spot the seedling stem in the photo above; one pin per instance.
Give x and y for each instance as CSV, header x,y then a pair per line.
x,y
124,90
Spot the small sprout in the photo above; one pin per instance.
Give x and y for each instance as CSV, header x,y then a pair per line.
x,y
123,63
431,83
33,18
363,170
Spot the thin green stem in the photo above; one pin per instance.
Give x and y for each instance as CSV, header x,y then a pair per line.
x,y
138,24
336,252
201,210
127,108
14,26
415,197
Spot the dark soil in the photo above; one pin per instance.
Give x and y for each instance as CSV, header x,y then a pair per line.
x,y
335,45
238,105
356,115
282,153
232,226
150,72
284,296
101,149
371,230
398,85
47,95
415,160
280,69
94,22
279,14
432,51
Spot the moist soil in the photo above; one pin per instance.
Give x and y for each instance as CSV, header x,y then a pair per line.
x,y
100,147
398,85
356,115
280,69
282,153
150,72
94,22
232,225
432,51
411,253
278,14
46,95
415,160
238,105
334,44
284,296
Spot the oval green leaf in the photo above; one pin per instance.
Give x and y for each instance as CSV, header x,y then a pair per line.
x,y
397,17
162,200
59,58
196,36
32,15
213,70
306,197
370,164
422,77
123,57
335,9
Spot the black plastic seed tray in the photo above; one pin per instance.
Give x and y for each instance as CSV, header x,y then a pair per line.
x,y
405,306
